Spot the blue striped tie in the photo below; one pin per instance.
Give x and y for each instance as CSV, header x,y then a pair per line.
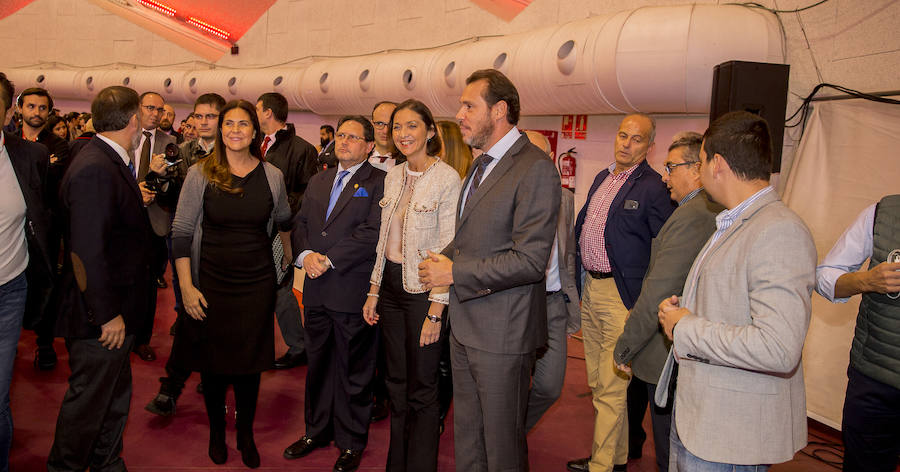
x,y
335,192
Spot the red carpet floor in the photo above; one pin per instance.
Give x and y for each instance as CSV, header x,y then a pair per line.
x,y
153,443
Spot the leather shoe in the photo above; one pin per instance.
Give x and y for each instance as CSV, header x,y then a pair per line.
x,y
162,405
218,451
620,467
579,465
45,358
145,352
161,283
380,411
302,447
349,461
289,360
249,453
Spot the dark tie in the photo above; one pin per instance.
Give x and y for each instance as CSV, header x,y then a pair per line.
x,y
335,192
144,165
131,167
480,165
265,145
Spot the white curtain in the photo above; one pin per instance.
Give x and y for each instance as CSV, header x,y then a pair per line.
x,y
849,158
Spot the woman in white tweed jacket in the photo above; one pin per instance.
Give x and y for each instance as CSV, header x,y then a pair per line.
x,y
418,215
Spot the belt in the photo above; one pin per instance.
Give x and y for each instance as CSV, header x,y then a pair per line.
x,y
552,293
600,275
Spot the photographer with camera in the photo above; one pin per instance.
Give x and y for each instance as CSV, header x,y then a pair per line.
x,y
151,170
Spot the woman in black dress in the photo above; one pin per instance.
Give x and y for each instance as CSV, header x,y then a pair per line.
x,y
228,206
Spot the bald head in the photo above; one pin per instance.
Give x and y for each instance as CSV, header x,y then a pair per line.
x,y
540,141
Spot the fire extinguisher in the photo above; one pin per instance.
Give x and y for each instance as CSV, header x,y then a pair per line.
x,y
566,166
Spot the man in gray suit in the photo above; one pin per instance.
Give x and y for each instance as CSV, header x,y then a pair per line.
x,y
739,328
509,206
149,159
642,348
563,310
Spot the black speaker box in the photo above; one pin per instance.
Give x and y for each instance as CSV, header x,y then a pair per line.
x,y
757,87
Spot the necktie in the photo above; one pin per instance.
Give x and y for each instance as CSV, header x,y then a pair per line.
x,y
480,165
131,168
335,192
144,164
265,145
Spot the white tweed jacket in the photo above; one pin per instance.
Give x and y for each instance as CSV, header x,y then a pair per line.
x,y
429,225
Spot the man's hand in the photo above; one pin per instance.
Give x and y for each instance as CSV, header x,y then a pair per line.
x,y
112,333
882,278
670,313
158,164
624,368
53,159
315,264
436,271
147,194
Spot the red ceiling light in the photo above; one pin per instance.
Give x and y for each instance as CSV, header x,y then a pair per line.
x,y
204,26
161,8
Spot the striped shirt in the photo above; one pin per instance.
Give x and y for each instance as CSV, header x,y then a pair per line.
x,y
593,242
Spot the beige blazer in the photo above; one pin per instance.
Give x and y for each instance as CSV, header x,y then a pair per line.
x,y
740,396
429,224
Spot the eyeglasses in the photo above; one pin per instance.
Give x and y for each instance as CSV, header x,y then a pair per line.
x,y
153,109
351,137
380,124
670,167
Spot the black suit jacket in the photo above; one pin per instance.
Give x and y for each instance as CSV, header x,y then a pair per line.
x,y
296,158
348,237
107,245
326,158
27,159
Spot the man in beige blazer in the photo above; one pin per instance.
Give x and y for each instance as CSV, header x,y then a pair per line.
x,y
739,328
563,307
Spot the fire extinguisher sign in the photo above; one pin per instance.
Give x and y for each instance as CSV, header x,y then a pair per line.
x,y
568,123
574,127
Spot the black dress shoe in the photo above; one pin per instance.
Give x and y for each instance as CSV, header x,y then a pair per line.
x,y
302,447
349,461
289,360
218,451
620,467
45,358
380,411
162,405
249,454
161,283
145,352
579,465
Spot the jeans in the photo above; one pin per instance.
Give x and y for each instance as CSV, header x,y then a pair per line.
x,y
681,460
12,310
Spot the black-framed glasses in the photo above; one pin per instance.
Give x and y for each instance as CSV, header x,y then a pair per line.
x,y
380,124
670,167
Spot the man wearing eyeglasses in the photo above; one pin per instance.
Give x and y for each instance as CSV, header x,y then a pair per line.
x,y
625,209
334,238
148,156
385,154
642,348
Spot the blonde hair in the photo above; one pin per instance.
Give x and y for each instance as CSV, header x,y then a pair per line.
x,y
456,153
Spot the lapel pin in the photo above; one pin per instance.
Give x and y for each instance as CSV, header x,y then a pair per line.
x,y
355,185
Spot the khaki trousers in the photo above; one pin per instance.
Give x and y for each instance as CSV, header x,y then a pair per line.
x,y
602,321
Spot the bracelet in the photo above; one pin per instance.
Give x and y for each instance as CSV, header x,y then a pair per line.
x,y
372,295
432,318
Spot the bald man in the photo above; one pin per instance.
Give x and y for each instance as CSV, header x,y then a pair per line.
x,y
563,312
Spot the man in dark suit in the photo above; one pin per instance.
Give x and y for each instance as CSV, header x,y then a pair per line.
x,y
296,158
334,239
643,346
25,268
149,161
625,208
509,207
326,158
103,287
35,104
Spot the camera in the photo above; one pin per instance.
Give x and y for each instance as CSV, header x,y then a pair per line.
x,y
158,182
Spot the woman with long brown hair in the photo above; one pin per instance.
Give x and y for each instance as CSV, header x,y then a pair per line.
x,y
455,152
230,202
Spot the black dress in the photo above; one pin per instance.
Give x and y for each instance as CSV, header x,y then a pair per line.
x,y
237,278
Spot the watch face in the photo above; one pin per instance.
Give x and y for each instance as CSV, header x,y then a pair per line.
x,y
894,256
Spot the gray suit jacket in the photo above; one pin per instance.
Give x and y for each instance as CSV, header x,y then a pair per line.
x,y
160,219
565,252
498,301
671,254
740,397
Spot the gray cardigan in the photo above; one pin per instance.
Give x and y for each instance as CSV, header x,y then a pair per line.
x,y
187,228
